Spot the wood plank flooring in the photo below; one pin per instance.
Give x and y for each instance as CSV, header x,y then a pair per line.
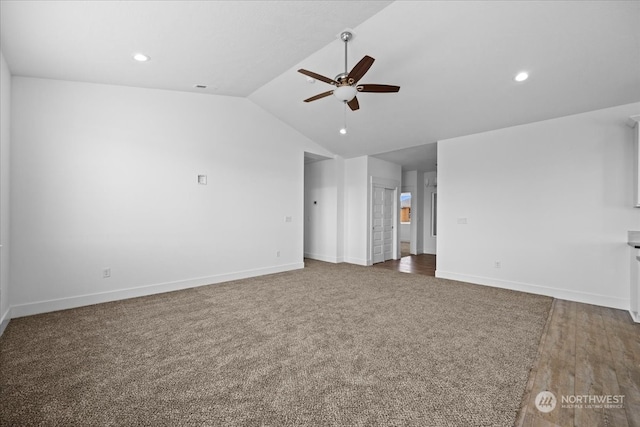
x,y
585,350
417,264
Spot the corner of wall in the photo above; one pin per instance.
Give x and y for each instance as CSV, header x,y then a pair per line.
x,y
5,143
4,321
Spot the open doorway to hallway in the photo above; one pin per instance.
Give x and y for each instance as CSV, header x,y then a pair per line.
x,y
405,224
416,264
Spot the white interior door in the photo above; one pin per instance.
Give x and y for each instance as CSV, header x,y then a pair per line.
x,y
377,224
382,219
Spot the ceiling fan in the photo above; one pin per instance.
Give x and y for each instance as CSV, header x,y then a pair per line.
x,y
346,83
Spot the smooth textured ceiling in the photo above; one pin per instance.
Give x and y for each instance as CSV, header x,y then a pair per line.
x,y
455,63
454,60
233,47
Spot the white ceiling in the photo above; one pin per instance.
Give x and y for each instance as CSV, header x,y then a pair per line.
x,y
454,60
234,47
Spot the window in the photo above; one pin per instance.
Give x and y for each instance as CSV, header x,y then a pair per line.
x,y
405,208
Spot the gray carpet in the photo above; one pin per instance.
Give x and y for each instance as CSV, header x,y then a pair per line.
x,y
338,345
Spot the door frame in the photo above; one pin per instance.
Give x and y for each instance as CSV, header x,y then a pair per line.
x,y
391,185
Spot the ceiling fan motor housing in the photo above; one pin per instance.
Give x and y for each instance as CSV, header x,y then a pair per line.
x,y
345,93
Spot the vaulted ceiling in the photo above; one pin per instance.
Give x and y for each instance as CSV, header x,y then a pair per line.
x,y
454,60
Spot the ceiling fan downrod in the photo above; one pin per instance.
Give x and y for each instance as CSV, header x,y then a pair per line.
x,y
345,36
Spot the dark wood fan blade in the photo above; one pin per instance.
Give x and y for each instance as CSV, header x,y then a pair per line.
x,y
360,69
378,88
353,104
318,77
318,96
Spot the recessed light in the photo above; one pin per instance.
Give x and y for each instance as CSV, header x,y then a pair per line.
x,y
520,77
343,131
141,57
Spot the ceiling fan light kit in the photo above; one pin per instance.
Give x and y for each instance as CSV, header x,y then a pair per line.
x,y
346,83
345,93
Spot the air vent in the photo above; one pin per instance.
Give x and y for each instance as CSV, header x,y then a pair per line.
x,y
200,86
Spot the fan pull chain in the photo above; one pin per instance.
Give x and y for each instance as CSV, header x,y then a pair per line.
x,y
343,131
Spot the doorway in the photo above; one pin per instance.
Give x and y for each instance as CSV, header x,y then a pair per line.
x,y
405,224
382,221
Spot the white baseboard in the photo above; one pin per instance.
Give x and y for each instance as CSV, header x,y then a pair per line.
x,y
4,320
357,261
325,258
583,297
38,307
635,316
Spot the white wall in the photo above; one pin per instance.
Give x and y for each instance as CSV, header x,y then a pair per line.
x,y
5,135
405,232
105,176
551,201
428,239
341,203
385,170
323,210
356,208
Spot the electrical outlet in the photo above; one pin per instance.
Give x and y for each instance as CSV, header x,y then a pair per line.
x,y
497,264
278,254
106,273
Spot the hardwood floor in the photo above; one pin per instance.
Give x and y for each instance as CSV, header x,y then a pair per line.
x,y
417,264
586,352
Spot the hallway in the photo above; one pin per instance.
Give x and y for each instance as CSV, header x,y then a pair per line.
x,y
416,264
